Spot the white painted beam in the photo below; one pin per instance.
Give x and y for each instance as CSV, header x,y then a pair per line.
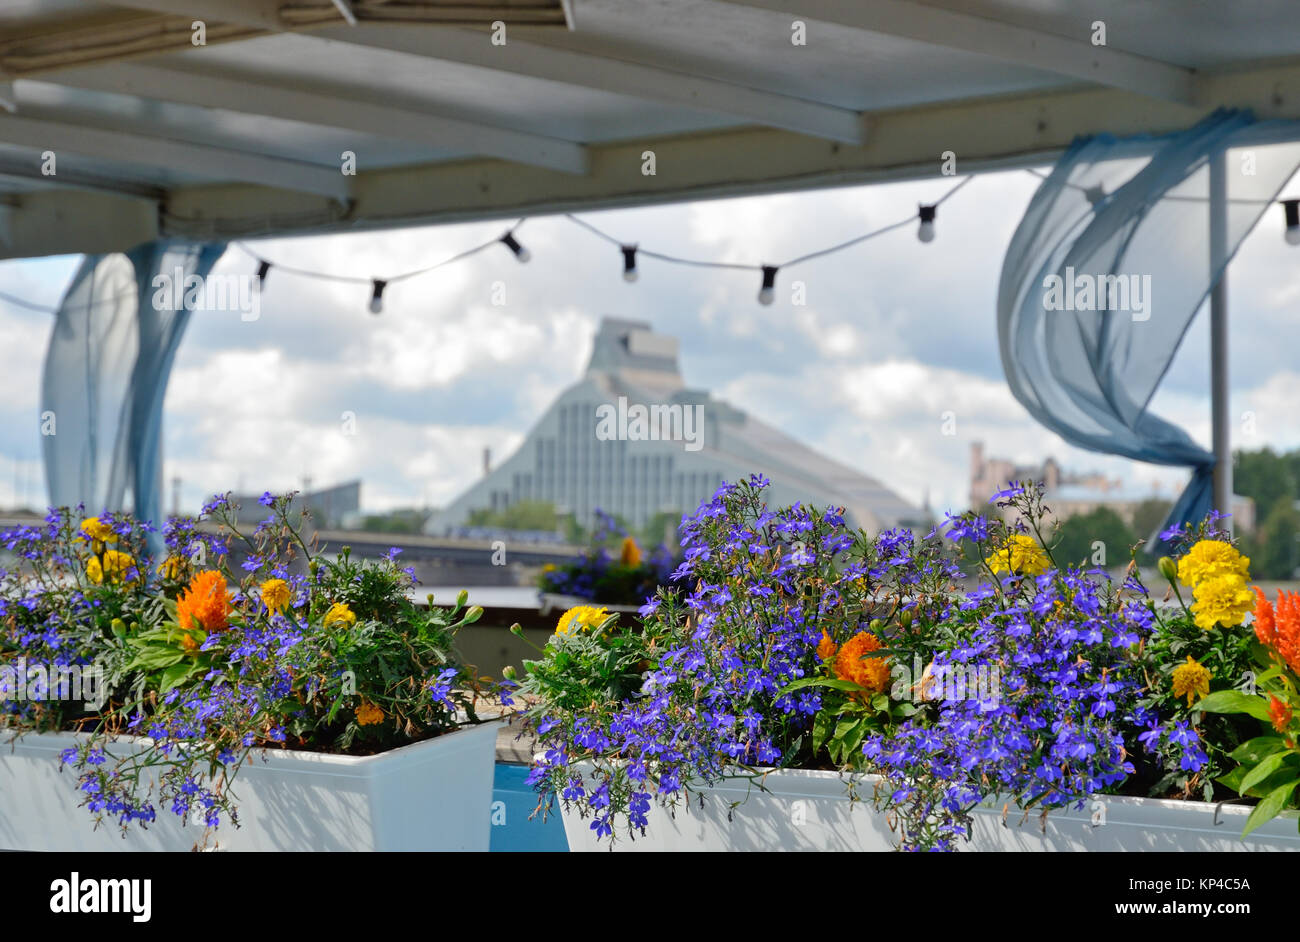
x,y
1076,58
264,14
214,163
637,80
991,133
353,113
533,60
26,172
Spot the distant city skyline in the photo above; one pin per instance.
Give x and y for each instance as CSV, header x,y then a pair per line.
x,y
894,336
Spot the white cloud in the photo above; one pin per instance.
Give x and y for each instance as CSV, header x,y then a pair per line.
x,y
894,335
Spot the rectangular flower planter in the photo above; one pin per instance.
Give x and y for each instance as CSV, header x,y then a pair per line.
x,y
433,795
811,811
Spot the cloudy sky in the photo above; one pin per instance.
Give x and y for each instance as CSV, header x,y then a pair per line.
x,y
894,334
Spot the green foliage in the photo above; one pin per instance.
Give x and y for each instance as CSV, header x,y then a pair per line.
x,y
1229,654
1267,477
603,663
523,515
399,521
1076,538
1149,516
1273,550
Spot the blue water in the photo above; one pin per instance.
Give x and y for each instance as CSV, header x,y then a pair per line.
x,y
512,802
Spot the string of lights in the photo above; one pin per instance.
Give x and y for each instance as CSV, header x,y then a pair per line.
x,y
630,252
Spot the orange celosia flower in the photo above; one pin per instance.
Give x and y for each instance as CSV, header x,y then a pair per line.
x,y
1264,623
204,601
1279,628
852,664
826,647
1288,628
1279,713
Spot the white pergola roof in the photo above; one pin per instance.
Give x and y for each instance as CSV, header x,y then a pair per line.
x,y
243,136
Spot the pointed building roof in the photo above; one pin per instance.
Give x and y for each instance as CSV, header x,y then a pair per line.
x,y
565,459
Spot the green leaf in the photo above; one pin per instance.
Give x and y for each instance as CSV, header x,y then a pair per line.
x,y
821,730
833,683
1263,770
155,657
1234,701
1257,749
1232,779
1270,807
853,739
174,676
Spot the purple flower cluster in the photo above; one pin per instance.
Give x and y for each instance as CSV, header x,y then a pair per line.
x,y
765,585
1032,691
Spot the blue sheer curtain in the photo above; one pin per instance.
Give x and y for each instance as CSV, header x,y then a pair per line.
x,y
106,371
1135,209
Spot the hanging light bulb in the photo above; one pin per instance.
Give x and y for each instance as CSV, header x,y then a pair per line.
x,y
629,262
377,296
1292,210
1094,194
767,293
262,271
510,242
925,231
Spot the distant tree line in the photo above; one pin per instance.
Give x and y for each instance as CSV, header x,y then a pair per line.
x,y
543,515
1272,480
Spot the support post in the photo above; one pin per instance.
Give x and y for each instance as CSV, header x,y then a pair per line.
x,y
1219,419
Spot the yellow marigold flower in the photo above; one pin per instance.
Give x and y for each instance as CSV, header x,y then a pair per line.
x,y
580,618
276,594
1210,558
1191,680
204,601
1221,600
368,714
852,664
115,566
173,567
340,614
630,555
93,528
1021,555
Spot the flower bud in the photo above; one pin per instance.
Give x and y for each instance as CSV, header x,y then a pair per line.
x,y
462,598
876,624
517,629
1168,568
905,618
509,672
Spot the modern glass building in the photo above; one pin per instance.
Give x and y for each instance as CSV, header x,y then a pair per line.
x,y
631,439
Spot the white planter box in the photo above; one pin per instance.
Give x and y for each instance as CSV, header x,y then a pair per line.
x,y
809,811
433,795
